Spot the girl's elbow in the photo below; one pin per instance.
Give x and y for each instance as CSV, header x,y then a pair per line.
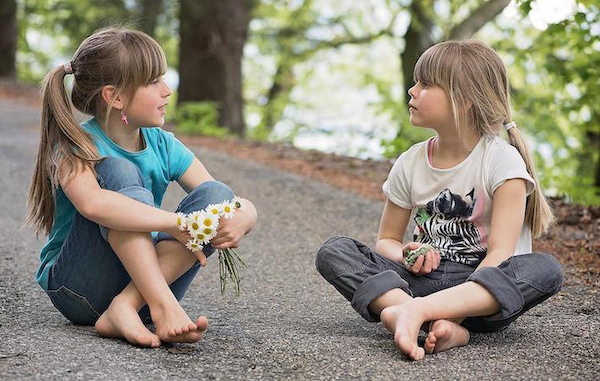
x,y
90,209
379,245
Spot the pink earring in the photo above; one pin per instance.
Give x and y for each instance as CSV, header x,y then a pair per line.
x,y
124,117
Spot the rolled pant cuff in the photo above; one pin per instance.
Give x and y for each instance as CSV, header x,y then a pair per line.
x,y
372,288
503,289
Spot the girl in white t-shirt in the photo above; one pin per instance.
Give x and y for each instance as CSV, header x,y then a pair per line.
x,y
472,197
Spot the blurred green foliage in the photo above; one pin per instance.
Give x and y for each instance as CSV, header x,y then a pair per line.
x,y
199,118
554,73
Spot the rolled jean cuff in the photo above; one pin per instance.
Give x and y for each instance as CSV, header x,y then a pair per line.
x,y
137,193
372,288
503,288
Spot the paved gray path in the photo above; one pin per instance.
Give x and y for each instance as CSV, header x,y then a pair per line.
x,y
288,323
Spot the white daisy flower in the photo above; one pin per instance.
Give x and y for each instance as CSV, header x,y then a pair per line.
x,y
181,222
208,220
193,227
195,216
193,245
201,238
228,209
215,209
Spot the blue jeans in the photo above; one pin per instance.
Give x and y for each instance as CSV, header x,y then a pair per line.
x,y
362,275
88,274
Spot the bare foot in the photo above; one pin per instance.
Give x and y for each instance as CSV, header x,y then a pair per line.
x,y
446,334
122,321
174,326
404,322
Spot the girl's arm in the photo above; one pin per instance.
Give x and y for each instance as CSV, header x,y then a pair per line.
x,y
195,175
508,214
114,210
394,221
392,226
230,230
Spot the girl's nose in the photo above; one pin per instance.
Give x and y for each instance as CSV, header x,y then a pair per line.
x,y
411,90
167,91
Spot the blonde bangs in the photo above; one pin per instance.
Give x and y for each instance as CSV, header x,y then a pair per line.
x,y
143,61
436,66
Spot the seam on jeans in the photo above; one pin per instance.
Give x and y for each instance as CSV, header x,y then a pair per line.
x,y
521,279
335,275
66,290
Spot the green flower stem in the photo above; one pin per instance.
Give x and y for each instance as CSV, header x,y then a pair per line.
x,y
229,261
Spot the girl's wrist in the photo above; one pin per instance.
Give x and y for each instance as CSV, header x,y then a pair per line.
x,y
248,217
173,223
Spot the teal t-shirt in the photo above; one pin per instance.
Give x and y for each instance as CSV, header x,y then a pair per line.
x,y
164,159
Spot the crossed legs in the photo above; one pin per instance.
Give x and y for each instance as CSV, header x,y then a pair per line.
x,y
151,270
404,316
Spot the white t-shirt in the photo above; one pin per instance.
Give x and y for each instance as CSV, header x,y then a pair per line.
x,y
452,207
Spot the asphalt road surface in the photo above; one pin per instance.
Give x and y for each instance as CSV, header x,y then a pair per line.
x,y
288,322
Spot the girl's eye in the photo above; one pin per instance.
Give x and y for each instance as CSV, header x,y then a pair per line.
x,y
424,84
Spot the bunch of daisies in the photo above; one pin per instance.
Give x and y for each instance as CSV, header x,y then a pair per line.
x,y
202,227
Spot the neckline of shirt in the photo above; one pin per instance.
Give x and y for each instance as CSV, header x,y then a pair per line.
x,y
428,155
96,126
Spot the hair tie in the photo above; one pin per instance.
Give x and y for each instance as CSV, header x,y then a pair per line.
x,y
68,68
509,125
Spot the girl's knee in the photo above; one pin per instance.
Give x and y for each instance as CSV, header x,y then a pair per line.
x,y
209,192
334,255
542,271
554,272
117,173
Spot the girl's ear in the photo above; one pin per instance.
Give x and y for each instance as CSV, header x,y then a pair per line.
x,y
467,106
109,95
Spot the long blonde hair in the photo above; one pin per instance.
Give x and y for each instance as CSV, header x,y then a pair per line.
x,y
123,58
475,79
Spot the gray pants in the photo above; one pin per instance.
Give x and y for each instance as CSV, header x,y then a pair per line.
x,y
361,276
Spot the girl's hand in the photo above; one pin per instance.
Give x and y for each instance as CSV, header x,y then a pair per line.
x,y
231,230
183,237
425,263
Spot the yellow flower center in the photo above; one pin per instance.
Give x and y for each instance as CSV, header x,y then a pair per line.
x,y
195,226
200,237
227,209
214,211
207,231
207,222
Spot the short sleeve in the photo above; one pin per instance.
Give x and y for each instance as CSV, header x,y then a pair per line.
x,y
179,157
396,187
506,163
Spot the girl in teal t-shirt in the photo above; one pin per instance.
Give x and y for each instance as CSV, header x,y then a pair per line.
x,y
113,258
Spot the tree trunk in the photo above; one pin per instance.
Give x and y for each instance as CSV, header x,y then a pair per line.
x,y
418,36
417,39
149,10
8,38
278,96
213,33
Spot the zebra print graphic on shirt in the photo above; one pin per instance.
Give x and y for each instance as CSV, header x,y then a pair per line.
x,y
445,225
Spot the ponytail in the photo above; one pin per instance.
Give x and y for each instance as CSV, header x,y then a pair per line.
x,y
538,213
63,144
